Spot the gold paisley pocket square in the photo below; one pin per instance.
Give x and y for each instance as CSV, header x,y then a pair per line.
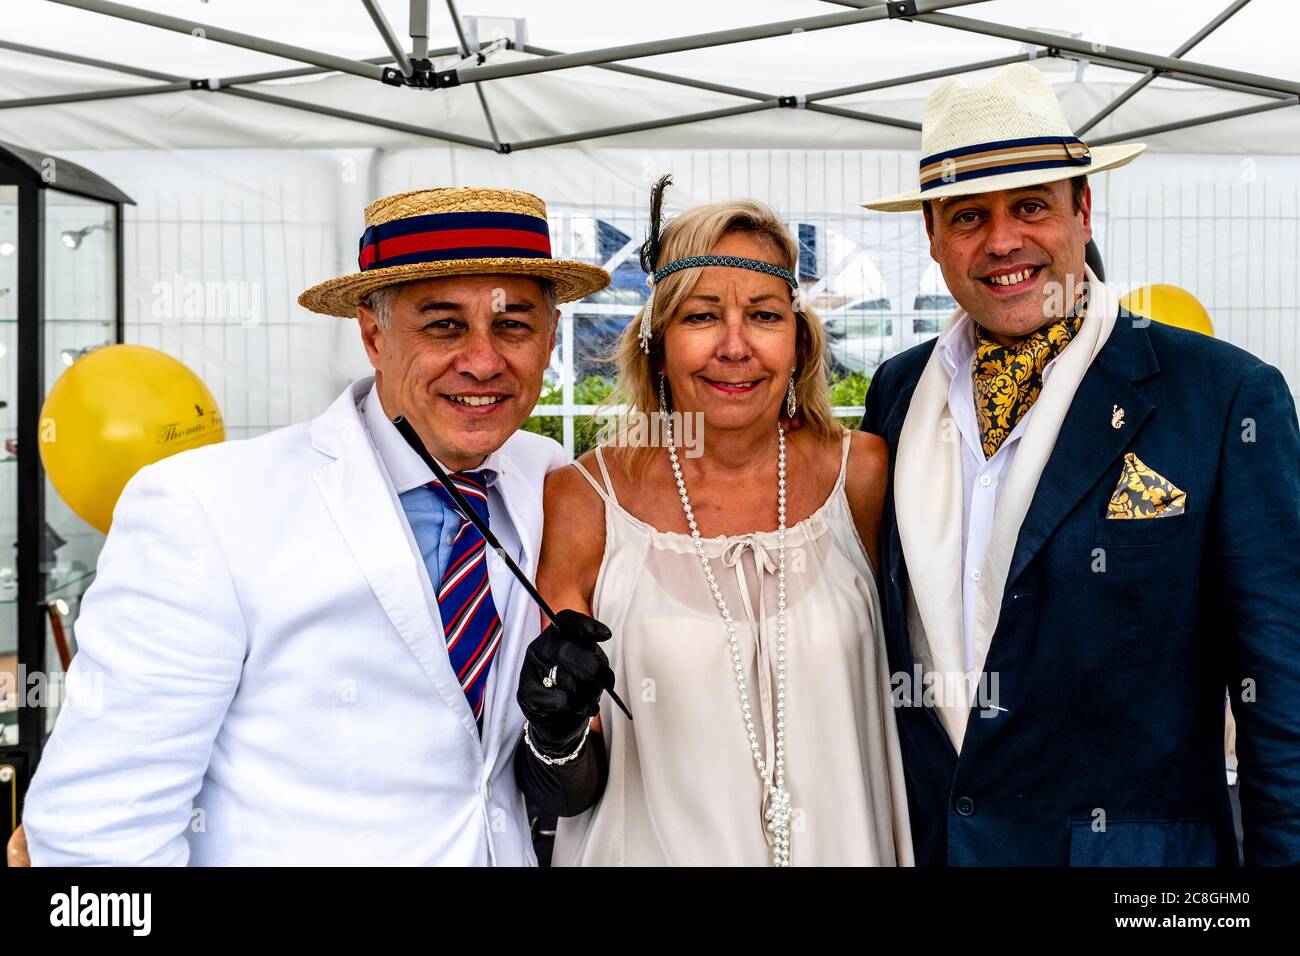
x,y
1144,493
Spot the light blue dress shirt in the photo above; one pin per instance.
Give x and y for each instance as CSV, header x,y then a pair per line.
x,y
434,525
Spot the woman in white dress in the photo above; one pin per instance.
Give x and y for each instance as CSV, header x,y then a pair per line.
x,y
734,573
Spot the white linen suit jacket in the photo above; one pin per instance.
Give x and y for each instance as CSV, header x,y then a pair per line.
x,y
274,686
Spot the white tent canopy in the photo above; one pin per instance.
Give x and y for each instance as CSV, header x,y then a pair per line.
x,y
1255,39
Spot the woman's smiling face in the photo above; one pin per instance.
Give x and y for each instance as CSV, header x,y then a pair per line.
x,y
730,345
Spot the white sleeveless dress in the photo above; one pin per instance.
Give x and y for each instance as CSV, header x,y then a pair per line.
x,y
683,789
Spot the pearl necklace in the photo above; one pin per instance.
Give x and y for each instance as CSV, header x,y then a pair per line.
x,y
778,811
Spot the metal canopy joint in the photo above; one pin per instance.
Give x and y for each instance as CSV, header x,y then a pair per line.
x,y
423,76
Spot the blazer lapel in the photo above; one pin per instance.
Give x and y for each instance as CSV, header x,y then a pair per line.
x,y
364,507
521,618
1089,443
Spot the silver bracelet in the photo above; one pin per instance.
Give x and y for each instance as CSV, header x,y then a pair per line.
x,y
557,761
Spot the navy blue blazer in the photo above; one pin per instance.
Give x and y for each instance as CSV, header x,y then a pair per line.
x,y
1108,749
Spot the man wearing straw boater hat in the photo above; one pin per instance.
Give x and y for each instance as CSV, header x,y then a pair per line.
x,y
308,651
1094,528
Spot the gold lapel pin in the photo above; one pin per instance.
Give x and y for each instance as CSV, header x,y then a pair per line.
x,y
1116,417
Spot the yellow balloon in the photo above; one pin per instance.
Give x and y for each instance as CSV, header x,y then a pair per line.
x,y
113,411
1170,305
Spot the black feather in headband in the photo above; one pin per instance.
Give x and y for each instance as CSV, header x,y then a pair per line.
x,y
650,248
650,256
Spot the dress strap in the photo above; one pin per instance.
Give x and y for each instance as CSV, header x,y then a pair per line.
x,y
844,459
604,473
606,491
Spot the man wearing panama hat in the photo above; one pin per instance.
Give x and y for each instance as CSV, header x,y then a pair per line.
x,y
1094,527
307,650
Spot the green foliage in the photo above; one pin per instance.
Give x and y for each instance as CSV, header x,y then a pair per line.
x,y
592,390
849,388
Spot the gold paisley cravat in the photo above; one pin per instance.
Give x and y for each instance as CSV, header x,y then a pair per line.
x,y
1008,378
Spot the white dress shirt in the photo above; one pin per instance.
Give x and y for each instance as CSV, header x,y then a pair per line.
x,y
405,470
982,479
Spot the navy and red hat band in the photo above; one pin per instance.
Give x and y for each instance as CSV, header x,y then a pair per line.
x,y
439,237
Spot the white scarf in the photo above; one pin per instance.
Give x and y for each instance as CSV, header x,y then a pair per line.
x,y
928,493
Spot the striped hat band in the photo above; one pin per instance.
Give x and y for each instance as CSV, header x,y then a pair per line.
x,y
1002,156
439,237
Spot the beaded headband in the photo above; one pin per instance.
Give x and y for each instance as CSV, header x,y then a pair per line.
x,y
692,262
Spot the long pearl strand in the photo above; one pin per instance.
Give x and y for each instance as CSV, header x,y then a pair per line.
x,y
778,812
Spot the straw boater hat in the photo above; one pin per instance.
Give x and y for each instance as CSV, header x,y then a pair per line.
x,y
1004,133
456,231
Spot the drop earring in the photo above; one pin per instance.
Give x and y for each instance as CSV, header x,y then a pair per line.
x,y
663,400
647,316
791,403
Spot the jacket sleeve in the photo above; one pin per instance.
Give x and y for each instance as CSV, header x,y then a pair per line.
x,y
877,401
161,644
1257,531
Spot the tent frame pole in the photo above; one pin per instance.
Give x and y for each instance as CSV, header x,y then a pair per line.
x,y
878,118
77,58
390,38
1096,55
633,51
1089,48
238,80
664,77
419,29
770,102
310,70
811,97
229,37
1150,75
921,77
89,96
362,118
563,138
258,95
482,97
1139,134
1179,77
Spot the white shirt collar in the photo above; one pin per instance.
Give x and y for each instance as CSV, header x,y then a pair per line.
x,y
957,345
406,469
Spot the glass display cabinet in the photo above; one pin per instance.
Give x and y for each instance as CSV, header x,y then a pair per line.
x,y
60,296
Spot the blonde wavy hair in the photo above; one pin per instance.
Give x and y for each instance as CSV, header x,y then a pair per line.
x,y
695,233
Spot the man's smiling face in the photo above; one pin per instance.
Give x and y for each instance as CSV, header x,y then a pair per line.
x,y
462,359
1011,258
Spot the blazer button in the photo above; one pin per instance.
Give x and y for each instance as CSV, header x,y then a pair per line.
x,y
965,806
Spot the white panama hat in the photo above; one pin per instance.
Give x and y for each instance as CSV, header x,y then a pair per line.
x,y
1004,133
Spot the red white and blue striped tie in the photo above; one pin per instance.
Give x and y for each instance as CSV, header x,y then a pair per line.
x,y
470,620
